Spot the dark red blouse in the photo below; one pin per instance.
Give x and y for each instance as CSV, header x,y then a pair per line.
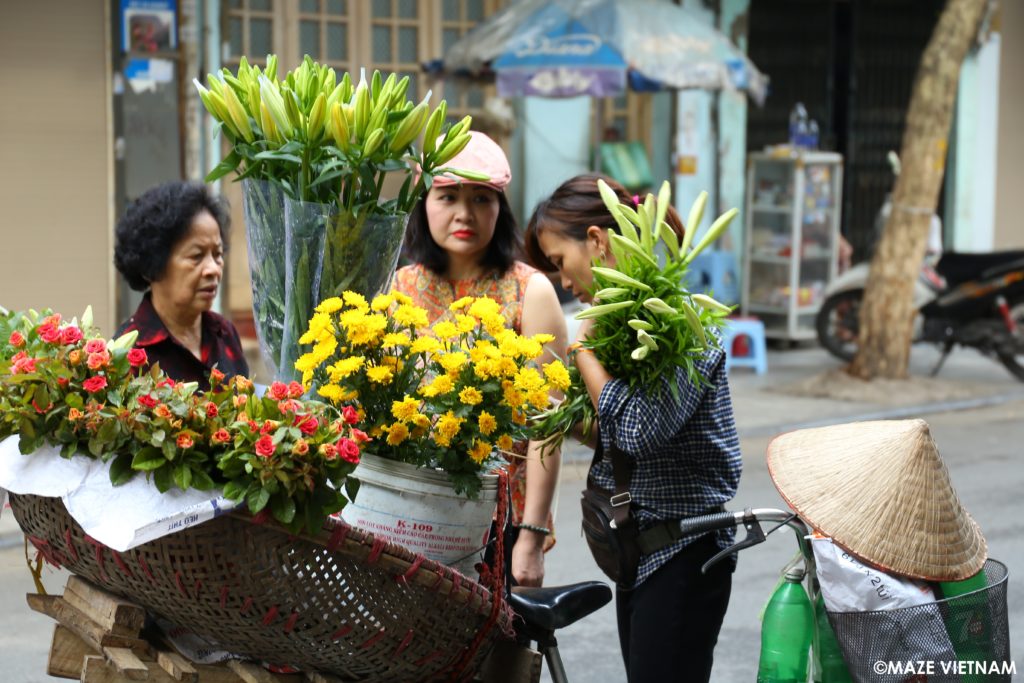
x,y
220,347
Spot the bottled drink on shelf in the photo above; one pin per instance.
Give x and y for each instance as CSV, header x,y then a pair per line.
x,y
786,632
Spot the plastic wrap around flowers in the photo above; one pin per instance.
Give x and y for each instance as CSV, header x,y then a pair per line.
x,y
63,385
447,396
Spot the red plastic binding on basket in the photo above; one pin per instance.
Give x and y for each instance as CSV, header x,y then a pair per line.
x,y
405,643
125,569
268,618
48,552
145,567
100,559
69,544
374,639
246,605
376,550
341,632
223,596
411,571
180,583
428,658
337,537
290,624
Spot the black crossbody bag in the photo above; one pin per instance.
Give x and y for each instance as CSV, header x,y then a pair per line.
x,y
609,527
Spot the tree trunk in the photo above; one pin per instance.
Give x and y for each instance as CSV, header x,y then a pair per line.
x,y
887,314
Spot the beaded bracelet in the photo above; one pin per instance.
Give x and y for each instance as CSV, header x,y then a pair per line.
x,y
576,348
538,529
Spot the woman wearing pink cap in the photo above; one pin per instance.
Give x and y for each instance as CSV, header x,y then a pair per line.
x,y
464,241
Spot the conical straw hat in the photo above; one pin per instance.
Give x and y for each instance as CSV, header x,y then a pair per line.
x,y
880,490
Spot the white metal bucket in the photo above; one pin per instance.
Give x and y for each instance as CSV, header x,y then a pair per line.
x,y
418,508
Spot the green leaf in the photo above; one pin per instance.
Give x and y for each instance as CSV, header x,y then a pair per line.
x,y
169,450
163,478
257,500
283,508
158,436
121,469
183,476
229,164
201,481
148,459
351,487
235,489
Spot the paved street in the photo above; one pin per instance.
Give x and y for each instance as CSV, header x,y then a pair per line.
x,y
982,449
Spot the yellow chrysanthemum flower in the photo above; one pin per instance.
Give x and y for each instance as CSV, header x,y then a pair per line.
x,y
330,305
453,362
442,384
425,345
484,307
471,396
486,369
557,375
447,427
514,398
506,367
539,398
494,324
487,423
306,363
446,330
397,433
465,323
368,331
405,409
355,300
528,379
345,367
353,317
543,338
480,451
320,326
530,348
332,392
395,339
411,316
401,299
505,442
324,349
382,302
461,303
421,421
380,375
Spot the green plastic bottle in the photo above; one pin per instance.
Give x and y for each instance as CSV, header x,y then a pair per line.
x,y
827,664
968,621
786,632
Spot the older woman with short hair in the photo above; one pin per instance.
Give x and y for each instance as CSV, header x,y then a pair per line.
x,y
171,242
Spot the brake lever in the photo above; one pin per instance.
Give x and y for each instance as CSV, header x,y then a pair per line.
x,y
754,536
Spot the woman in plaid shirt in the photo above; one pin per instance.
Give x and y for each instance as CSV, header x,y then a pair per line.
x,y
684,456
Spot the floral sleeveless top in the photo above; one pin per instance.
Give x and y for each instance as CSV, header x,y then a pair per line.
x,y
436,293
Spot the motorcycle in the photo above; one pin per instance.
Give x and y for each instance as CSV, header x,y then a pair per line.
x,y
973,300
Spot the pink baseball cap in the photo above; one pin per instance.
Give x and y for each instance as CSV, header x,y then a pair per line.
x,y
482,155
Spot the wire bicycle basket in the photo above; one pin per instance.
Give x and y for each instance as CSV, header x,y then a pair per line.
x,y
962,638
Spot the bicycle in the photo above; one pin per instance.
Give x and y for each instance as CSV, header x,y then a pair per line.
x,y
866,638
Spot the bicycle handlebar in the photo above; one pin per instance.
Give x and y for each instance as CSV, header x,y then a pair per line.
x,y
724,520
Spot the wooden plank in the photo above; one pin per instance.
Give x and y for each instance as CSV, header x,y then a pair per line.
x,y
94,635
117,615
176,666
251,673
126,663
67,654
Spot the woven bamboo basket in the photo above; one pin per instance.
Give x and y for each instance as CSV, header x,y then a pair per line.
x,y
340,602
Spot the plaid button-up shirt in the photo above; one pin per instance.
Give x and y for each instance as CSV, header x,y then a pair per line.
x,y
684,451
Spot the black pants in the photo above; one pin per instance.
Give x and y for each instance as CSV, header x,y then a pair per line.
x,y
669,624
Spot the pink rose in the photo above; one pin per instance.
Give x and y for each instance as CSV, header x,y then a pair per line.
x,y
265,446
185,441
221,436
359,436
295,389
279,391
216,376
328,450
70,335
147,400
307,424
17,339
349,450
95,346
137,357
350,415
211,409
269,426
94,384
98,360
300,447
21,363
48,332
289,405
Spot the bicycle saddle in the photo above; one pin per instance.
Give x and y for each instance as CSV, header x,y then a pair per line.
x,y
554,607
